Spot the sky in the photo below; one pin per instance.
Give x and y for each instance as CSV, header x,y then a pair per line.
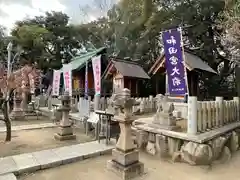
x,y
78,10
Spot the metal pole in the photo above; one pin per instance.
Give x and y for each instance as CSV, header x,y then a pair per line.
x,y
9,49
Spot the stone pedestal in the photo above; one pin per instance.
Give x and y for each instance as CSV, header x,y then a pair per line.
x,y
17,112
65,128
24,100
65,133
164,118
125,157
164,121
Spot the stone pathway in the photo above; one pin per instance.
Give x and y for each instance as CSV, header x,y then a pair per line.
x,y
31,162
29,127
9,176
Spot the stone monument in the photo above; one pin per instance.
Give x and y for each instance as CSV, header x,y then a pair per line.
x,y
65,129
125,157
164,118
112,108
74,108
17,112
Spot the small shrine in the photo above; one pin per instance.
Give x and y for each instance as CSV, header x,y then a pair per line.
x,y
194,66
78,66
125,74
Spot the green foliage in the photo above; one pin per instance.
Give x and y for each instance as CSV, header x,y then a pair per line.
x,y
43,38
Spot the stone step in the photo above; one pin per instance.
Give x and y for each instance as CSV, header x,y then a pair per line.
x,y
29,127
31,162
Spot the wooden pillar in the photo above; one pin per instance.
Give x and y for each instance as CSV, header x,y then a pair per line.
x,y
137,93
157,84
130,86
193,83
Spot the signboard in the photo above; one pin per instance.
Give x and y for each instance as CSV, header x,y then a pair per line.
x,y
67,76
56,82
118,84
175,69
96,65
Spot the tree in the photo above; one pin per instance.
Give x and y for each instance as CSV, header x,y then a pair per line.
x,y
14,83
231,20
31,38
51,37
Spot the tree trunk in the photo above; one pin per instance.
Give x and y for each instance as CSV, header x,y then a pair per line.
x,y
7,122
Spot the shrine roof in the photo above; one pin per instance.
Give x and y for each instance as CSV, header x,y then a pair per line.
x,y
192,62
79,62
126,68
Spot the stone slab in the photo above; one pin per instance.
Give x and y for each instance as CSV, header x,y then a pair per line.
x,y
26,163
54,157
9,176
7,165
198,138
92,149
28,127
67,154
47,159
165,127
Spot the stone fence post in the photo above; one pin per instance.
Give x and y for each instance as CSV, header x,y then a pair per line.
x,y
238,111
96,102
192,115
151,104
221,109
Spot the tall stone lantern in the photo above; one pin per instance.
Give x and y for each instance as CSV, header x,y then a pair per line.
x,y
125,157
17,112
65,128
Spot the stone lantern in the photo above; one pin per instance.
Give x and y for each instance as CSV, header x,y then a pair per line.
x,y
17,112
125,157
65,128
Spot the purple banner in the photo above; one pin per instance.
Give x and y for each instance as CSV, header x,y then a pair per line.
x,y
174,63
86,81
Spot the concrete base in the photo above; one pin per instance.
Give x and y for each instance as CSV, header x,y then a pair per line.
x,y
65,137
65,133
125,159
126,172
74,110
17,115
126,164
166,127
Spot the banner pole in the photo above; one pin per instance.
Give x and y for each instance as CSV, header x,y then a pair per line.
x,y
86,80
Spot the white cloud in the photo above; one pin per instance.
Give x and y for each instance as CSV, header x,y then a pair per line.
x,y
15,12
79,11
48,5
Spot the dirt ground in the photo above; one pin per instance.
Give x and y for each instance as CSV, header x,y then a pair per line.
x,y
155,169
31,120
28,121
26,141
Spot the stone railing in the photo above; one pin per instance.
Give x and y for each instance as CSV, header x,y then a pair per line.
x,y
206,115
145,105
